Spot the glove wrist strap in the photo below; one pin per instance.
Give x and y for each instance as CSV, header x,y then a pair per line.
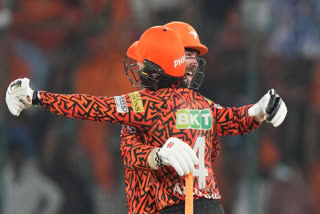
x,y
158,160
36,101
152,159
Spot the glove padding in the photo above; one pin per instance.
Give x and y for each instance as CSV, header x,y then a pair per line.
x,y
177,154
19,96
270,108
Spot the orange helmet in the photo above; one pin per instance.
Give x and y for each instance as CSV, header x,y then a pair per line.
x,y
188,35
162,47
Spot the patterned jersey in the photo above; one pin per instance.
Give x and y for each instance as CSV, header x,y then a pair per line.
x,y
158,115
140,186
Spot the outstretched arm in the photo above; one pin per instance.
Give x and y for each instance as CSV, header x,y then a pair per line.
x,y
117,109
81,106
235,121
239,121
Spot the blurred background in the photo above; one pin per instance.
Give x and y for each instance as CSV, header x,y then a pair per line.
x,y
54,165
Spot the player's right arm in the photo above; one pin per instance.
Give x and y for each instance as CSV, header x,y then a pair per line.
x,y
134,152
118,109
137,155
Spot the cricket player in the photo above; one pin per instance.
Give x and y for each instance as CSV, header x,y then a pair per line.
x,y
139,183
140,187
172,118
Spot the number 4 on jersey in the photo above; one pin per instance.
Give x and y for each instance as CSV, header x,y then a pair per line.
x,y
201,171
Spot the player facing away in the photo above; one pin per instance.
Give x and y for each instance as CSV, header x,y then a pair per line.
x,y
165,108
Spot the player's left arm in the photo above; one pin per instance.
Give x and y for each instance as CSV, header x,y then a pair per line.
x,y
245,119
231,120
235,121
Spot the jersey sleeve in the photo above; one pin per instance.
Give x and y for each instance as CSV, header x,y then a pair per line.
x,y
117,109
216,148
134,152
234,121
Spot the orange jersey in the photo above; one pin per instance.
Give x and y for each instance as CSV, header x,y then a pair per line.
x,y
140,184
158,115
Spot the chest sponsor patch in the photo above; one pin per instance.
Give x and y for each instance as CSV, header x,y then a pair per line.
x,y
193,119
136,102
121,104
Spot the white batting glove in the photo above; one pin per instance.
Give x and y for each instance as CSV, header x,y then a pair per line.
x,y
270,107
175,153
19,96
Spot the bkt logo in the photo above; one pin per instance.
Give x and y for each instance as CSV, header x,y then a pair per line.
x,y
193,119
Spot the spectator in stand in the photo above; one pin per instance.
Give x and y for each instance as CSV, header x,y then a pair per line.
x,y
26,188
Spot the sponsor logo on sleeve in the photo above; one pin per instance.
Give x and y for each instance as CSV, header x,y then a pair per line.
x,y
193,119
217,106
208,100
121,104
136,102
